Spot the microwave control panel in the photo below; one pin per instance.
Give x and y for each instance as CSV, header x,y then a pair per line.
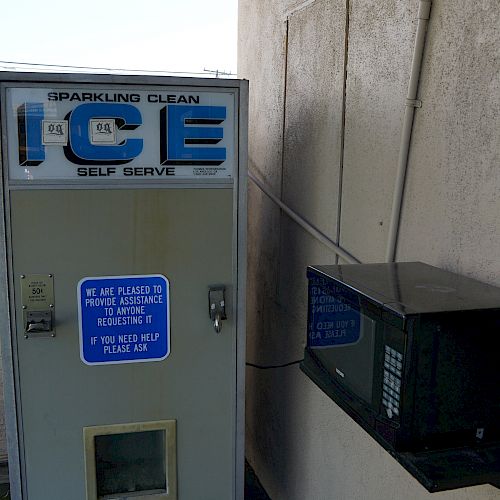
x,y
391,387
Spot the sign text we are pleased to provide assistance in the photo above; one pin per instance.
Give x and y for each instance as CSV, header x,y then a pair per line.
x,y
124,319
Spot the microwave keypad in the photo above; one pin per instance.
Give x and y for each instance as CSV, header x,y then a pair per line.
x,y
393,366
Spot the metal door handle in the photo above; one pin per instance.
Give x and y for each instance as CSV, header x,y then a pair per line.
x,y
217,323
38,321
217,306
39,326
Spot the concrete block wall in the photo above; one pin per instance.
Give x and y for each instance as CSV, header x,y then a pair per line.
x,y
328,81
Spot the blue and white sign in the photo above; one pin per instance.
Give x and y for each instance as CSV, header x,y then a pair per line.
x,y
124,319
106,134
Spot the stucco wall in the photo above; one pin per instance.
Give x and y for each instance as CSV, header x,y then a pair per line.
x,y
300,443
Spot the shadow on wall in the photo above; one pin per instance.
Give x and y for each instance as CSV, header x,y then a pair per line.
x,y
253,488
277,326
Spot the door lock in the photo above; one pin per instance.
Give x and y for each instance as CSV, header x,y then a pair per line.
x,y
217,306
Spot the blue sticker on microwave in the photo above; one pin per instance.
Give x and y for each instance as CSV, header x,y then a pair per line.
x,y
332,319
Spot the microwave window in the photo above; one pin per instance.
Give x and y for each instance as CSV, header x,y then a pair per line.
x,y
343,340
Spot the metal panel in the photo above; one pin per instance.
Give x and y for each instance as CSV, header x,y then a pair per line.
x,y
9,354
240,244
184,82
166,231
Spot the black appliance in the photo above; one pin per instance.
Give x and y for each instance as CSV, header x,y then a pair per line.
x,y
412,353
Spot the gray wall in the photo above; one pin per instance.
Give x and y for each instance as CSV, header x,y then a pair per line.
x,y
299,56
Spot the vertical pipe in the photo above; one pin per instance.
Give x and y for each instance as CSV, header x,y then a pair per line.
x,y
283,145
342,136
411,103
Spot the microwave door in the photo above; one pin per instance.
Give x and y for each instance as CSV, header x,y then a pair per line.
x,y
347,350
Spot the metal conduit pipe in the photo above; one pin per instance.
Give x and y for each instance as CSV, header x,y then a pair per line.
x,y
411,103
304,224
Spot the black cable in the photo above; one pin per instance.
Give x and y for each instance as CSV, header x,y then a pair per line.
x,y
67,66
268,367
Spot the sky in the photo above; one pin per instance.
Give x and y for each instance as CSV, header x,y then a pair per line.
x,y
164,35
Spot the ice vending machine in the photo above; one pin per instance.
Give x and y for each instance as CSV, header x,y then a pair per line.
x,y
122,302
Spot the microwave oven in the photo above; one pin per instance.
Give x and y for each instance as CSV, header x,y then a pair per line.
x,y
412,353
